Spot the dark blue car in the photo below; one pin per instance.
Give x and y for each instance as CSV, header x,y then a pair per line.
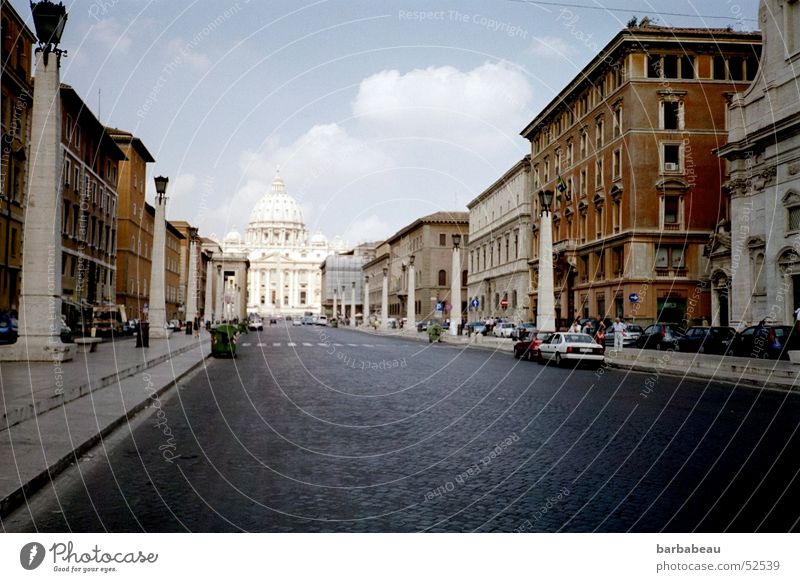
x,y
8,329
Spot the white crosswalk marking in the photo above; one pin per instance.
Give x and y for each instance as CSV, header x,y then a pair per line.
x,y
338,345
308,345
367,345
276,344
246,345
291,344
259,344
353,345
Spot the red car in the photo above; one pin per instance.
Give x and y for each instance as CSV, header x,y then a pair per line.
x,y
529,348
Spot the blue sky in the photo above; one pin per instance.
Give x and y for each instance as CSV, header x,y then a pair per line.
x,y
376,112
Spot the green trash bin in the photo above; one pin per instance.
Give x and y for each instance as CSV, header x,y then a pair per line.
x,y
223,340
434,333
242,327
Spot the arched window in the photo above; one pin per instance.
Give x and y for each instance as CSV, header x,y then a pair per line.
x,y
442,278
758,274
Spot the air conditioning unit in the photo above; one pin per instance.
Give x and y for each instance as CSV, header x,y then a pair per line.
x,y
671,167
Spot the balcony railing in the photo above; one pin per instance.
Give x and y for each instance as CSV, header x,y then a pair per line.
x,y
670,272
564,245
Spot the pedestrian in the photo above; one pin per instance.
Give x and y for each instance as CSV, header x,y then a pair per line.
x,y
197,327
576,326
600,336
619,328
587,327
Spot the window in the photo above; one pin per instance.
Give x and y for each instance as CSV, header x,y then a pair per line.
x,y
582,228
671,210
598,174
570,158
654,66
617,122
616,165
671,115
794,218
598,222
687,67
514,299
67,171
583,182
618,260
760,277
671,154
617,218
736,68
442,240
584,143
670,67
719,68
546,170
583,270
536,181
667,257
442,278
13,249
599,134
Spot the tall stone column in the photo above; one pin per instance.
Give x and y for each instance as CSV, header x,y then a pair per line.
x,y
334,304
281,284
191,283
158,304
411,324
546,312
385,300
218,312
455,291
40,299
267,289
208,314
353,305
365,300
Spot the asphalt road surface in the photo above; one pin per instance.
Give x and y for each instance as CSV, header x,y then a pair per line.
x,y
321,429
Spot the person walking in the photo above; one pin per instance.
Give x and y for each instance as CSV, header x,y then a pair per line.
x,y
619,328
576,326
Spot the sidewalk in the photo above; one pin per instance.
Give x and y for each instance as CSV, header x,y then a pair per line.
x,y
53,412
776,375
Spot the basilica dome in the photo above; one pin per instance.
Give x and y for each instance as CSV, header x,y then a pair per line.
x,y
277,208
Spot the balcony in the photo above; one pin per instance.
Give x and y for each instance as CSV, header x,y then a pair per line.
x,y
565,245
670,273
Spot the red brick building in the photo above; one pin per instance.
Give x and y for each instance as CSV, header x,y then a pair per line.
x,y
632,139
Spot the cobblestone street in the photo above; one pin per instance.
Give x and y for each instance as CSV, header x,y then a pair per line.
x,y
320,429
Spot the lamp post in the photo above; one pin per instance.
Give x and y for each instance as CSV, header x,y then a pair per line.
x,y
208,315
365,300
385,299
411,316
191,292
40,294
220,295
353,304
158,304
546,311
455,286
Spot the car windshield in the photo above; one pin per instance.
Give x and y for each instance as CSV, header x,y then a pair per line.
x,y
578,338
635,328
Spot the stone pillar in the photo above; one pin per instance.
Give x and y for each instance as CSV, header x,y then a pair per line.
x,y
546,311
365,300
385,302
208,310
218,312
158,304
411,324
267,289
353,305
344,302
191,283
40,298
334,304
281,283
455,291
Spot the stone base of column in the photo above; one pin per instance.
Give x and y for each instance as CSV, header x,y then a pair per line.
x,y
159,333
37,349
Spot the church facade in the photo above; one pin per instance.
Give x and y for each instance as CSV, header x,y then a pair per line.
x,y
285,276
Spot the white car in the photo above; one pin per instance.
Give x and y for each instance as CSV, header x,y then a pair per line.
x,y
297,321
571,347
503,329
322,320
255,325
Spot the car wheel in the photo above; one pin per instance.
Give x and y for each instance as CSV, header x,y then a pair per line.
x,y
528,355
558,360
539,359
516,354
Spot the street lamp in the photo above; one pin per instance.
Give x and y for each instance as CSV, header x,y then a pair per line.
x,y
40,296
157,300
412,300
455,286
49,20
385,299
365,301
546,311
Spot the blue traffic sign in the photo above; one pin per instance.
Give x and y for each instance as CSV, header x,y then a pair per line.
x,y
475,303
634,297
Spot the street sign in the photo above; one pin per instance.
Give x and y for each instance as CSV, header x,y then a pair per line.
x,y
504,303
634,297
438,307
475,303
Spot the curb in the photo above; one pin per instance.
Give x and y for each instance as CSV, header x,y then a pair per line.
x,y
17,497
14,416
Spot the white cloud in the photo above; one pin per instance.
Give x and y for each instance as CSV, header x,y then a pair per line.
x,y
180,49
109,33
370,228
468,107
550,46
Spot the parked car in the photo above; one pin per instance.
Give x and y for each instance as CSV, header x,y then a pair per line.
x,y
392,323
255,324
322,320
523,331
109,319
659,336
423,325
174,324
571,347
297,321
503,329
629,336
762,341
706,340
593,324
8,329
308,320
476,327
529,347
